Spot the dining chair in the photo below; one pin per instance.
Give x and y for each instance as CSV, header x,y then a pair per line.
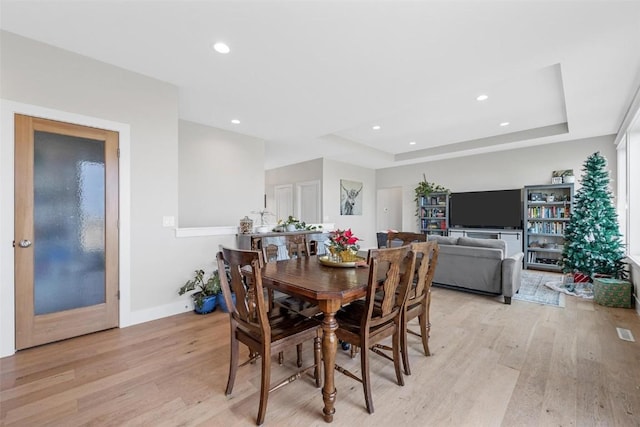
x,y
265,333
419,297
297,246
403,238
294,246
365,323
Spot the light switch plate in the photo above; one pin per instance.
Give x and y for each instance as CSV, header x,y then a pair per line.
x,y
168,221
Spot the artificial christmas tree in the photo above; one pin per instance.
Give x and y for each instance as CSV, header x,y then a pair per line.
x,y
593,242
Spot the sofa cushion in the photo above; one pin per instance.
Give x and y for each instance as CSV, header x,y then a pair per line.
x,y
479,269
483,243
472,252
444,240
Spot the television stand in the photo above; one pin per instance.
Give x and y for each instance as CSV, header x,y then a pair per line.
x,y
512,237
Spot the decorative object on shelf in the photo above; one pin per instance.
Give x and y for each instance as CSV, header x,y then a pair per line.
x,y
593,243
205,297
263,227
291,224
350,197
246,225
562,176
343,246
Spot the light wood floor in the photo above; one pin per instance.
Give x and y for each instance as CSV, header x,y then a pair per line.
x,y
492,365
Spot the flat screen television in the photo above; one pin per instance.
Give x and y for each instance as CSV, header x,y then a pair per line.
x,y
486,209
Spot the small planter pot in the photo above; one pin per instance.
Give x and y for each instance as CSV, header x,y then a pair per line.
x,y
208,305
222,303
291,227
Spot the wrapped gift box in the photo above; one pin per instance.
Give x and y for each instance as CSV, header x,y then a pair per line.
x,y
580,278
612,292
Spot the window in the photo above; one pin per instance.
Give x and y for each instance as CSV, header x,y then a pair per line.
x,y
628,187
633,191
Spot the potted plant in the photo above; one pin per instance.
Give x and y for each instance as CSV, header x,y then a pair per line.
x,y
206,295
343,245
424,189
292,224
221,301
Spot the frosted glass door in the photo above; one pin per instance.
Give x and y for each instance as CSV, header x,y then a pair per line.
x,y
66,230
69,222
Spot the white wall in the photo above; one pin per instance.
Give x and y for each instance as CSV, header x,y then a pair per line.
x,y
68,84
363,226
218,169
495,171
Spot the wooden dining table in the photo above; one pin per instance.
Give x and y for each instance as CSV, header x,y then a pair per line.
x,y
330,287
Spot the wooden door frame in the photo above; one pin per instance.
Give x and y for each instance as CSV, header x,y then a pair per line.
x,y
7,296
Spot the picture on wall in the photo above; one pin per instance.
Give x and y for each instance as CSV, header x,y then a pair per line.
x,y
350,197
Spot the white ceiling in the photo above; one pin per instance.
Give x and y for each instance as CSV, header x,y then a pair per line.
x,y
311,78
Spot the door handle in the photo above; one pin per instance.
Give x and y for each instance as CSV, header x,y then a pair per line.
x,y
24,243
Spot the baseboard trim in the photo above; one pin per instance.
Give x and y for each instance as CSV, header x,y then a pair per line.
x,y
155,313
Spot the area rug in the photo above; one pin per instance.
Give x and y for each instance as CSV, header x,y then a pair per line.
x,y
533,289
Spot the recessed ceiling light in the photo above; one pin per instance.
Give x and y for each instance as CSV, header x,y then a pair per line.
x,y
412,143
221,48
376,127
504,124
235,121
482,97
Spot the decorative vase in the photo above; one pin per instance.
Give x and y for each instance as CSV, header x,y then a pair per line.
x,y
223,304
347,255
246,225
291,227
208,305
263,229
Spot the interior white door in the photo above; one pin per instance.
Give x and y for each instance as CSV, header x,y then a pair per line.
x,y
309,202
389,209
284,201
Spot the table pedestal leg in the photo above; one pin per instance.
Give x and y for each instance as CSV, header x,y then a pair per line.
x,y
329,349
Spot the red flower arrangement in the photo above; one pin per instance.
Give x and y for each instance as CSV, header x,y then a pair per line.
x,y
343,240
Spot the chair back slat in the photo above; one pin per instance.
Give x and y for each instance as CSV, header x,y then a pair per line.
x,y
249,309
384,301
426,261
403,238
295,246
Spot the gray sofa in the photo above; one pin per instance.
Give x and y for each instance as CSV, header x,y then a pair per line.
x,y
478,265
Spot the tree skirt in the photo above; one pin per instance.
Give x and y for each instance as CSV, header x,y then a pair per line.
x,y
581,290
